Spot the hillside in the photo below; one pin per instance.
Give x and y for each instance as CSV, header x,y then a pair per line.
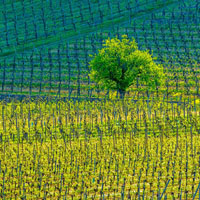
x,y
45,45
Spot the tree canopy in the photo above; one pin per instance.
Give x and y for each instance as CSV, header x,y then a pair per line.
x,y
120,64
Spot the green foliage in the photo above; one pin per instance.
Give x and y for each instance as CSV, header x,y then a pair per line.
x,y
120,64
79,149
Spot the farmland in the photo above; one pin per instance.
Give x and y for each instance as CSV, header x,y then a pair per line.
x,y
63,137
42,54
92,149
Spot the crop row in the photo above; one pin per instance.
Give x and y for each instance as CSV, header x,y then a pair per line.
x,y
24,23
145,116
66,62
101,149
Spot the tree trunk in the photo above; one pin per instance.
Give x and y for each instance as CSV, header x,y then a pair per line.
x,y
122,94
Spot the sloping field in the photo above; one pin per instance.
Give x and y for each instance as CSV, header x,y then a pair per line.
x,y
143,147
45,45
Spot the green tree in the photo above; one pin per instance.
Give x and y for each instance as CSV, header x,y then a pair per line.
x,y
120,65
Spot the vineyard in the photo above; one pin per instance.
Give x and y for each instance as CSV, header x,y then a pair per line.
x,y
63,137
45,45
99,149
